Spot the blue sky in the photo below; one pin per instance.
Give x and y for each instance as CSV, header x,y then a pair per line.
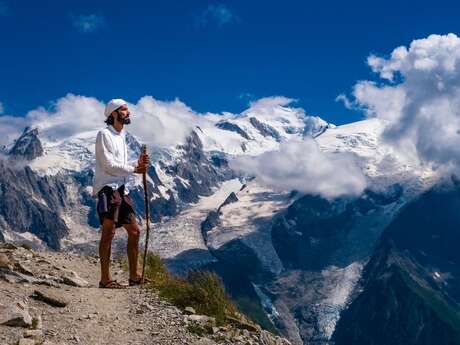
x,y
213,55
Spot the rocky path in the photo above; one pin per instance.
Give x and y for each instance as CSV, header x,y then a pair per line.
x,y
52,298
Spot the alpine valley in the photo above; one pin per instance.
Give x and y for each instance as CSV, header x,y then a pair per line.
x,y
377,268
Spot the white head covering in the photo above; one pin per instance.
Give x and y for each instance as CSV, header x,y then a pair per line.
x,y
112,105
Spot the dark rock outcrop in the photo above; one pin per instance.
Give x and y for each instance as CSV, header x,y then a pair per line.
x,y
410,290
265,129
28,145
33,203
195,172
314,233
229,126
322,245
38,203
212,218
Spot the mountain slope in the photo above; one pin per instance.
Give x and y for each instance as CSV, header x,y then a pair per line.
x,y
411,287
291,260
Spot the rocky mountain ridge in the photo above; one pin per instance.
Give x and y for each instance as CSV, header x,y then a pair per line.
x,y
409,292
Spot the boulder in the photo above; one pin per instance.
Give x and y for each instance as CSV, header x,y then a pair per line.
x,y
5,262
15,315
50,298
189,310
72,279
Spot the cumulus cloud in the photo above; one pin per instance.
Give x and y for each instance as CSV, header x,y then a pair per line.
x,y
273,107
88,23
219,14
163,123
159,123
383,101
418,97
10,128
300,165
68,116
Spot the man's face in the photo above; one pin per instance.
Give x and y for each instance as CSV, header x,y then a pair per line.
x,y
122,113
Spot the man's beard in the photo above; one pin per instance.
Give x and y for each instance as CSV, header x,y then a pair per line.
x,y
124,120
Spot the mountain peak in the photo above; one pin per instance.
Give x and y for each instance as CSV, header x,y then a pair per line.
x,y
28,145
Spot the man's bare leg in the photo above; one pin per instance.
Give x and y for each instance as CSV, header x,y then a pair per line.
x,y
133,249
105,249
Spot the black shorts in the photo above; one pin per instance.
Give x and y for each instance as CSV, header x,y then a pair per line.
x,y
116,206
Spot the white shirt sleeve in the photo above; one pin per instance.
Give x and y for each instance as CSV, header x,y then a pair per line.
x,y
105,156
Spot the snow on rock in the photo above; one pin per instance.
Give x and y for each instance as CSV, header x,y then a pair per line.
x,y
249,221
181,235
337,296
381,162
258,130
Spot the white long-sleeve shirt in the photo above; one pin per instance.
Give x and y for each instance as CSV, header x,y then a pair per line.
x,y
112,166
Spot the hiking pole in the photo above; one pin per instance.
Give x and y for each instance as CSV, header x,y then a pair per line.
x,y
147,216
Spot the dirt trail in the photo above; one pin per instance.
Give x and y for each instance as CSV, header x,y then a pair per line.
x,y
93,316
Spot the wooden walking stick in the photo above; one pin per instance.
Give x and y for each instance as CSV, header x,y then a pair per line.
x,y
147,217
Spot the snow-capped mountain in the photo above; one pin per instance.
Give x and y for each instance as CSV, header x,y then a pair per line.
x,y
252,134
303,252
296,257
178,176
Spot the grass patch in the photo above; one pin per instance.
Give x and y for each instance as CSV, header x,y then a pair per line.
x,y
198,329
202,290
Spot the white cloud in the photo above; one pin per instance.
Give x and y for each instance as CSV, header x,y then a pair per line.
x,y
155,122
219,14
297,165
345,100
419,98
385,101
10,128
88,23
162,123
68,116
300,165
273,107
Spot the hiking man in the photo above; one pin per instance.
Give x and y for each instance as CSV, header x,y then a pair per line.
x,y
115,208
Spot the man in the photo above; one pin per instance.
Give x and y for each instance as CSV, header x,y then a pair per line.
x,y
114,205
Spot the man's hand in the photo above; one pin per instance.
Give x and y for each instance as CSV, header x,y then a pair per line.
x,y
142,164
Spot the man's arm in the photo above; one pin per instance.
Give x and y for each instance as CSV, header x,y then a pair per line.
x,y
104,155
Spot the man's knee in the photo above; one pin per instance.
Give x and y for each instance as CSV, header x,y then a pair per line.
x,y
134,232
108,232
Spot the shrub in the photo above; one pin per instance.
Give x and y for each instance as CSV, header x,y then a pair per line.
x,y
202,290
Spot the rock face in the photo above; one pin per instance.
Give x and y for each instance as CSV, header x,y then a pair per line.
x,y
314,233
31,203
52,207
265,129
28,146
228,126
198,170
410,289
300,255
